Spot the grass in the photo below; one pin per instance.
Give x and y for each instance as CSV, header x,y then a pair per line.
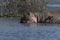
x,y
12,15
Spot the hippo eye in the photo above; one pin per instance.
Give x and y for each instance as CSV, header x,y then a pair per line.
x,y
28,13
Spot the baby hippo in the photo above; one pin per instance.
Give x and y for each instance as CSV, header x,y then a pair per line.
x,y
50,19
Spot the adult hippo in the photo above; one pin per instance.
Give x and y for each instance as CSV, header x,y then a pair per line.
x,y
29,18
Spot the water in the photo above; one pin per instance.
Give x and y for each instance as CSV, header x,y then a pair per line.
x,y
11,29
53,6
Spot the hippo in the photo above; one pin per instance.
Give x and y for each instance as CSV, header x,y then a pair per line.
x,y
49,19
29,18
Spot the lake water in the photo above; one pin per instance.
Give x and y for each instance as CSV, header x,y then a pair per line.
x,y
53,6
11,29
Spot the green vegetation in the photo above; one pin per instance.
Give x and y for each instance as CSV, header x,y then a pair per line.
x,y
12,15
16,8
